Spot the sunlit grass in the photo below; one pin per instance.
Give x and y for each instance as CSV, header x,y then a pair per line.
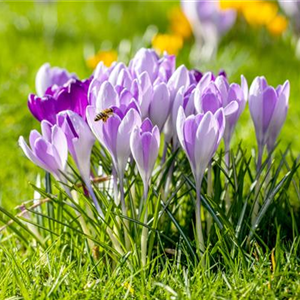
x,y
61,263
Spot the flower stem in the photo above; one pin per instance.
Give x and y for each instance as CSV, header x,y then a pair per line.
x,y
227,168
95,200
124,212
259,158
269,171
257,187
144,237
115,181
168,181
199,231
209,194
164,155
256,203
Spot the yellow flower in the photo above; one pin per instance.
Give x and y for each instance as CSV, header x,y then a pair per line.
x,y
237,5
108,57
278,25
127,286
179,24
167,42
259,13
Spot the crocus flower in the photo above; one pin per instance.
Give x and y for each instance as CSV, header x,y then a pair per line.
x,y
178,83
144,145
153,99
268,108
71,96
114,134
101,75
292,9
49,150
47,77
160,105
209,22
145,60
180,78
167,66
158,69
80,142
213,93
185,99
200,136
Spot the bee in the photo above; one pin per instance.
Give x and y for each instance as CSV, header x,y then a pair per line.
x,y
104,115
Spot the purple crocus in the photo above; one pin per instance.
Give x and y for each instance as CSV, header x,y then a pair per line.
x,y
101,75
167,66
209,22
196,75
144,145
48,76
153,99
185,99
158,69
160,105
213,93
178,83
80,143
145,60
49,150
114,134
268,108
292,9
71,96
200,136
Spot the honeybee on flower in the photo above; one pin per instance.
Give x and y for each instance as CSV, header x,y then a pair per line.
x,y
104,115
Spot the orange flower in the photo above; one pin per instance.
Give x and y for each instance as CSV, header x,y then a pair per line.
x,y
278,25
108,57
179,24
167,42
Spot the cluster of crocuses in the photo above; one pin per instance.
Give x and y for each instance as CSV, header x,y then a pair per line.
x,y
211,20
149,97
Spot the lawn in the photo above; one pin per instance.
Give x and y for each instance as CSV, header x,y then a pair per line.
x,y
64,34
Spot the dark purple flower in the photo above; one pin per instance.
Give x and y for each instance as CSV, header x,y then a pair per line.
x,y
71,96
47,77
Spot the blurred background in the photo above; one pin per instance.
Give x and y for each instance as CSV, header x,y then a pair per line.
x,y
261,39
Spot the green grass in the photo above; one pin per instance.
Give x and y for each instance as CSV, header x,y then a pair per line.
x,y
53,274
60,264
